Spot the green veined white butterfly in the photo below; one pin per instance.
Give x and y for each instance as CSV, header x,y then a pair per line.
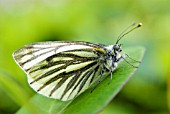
x,y
64,69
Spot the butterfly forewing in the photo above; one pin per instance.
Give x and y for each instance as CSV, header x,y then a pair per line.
x,y
60,70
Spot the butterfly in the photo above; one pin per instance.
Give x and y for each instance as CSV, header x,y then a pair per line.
x,y
64,69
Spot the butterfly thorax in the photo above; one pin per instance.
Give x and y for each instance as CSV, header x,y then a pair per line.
x,y
112,57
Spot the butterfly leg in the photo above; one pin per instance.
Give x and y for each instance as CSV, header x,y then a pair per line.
x,y
123,58
131,58
111,71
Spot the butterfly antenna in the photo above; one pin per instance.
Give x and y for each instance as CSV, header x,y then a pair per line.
x,y
126,31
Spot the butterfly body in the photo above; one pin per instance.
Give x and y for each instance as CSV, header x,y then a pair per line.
x,y
74,66
64,69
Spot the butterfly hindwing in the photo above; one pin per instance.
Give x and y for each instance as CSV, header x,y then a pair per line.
x,y
60,70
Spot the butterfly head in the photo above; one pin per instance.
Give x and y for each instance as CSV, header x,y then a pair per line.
x,y
117,48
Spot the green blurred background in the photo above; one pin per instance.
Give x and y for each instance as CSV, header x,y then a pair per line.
x,y
27,21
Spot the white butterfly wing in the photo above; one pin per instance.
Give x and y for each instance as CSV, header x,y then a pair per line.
x,y
60,70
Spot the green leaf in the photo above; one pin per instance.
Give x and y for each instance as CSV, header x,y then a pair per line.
x,y
87,102
6,80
